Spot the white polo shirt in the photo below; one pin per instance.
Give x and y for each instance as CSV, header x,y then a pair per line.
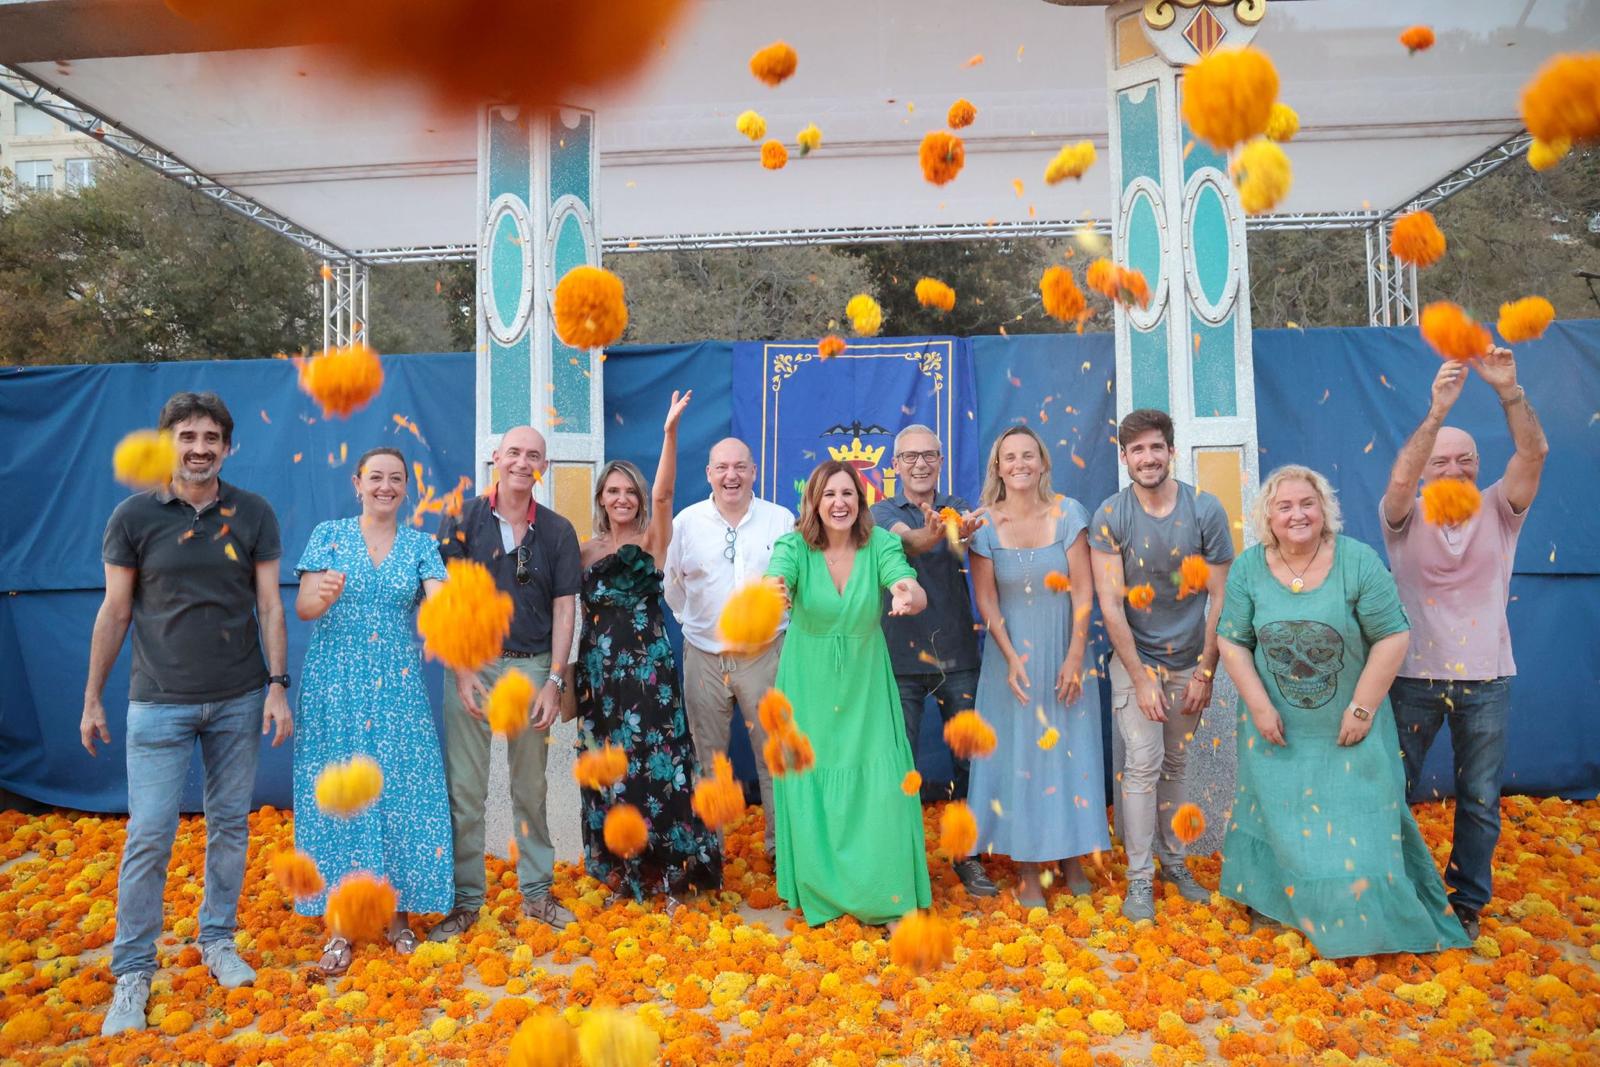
x,y
699,575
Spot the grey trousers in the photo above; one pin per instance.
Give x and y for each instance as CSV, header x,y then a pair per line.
x,y
1154,784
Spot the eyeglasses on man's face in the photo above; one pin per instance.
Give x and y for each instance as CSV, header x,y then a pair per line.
x,y
911,459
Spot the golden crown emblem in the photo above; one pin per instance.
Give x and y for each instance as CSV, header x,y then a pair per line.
x,y
857,454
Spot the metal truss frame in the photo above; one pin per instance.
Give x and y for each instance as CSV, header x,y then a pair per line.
x,y
344,303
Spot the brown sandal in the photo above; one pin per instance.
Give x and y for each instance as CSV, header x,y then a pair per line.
x,y
336,958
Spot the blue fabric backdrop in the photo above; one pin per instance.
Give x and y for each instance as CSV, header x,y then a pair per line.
x,y
1341,400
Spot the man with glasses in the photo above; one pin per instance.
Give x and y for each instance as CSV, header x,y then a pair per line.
x,y
934,653
533,554
718,545
1455,582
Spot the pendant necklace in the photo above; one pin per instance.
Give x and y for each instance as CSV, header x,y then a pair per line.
x,y
1298,584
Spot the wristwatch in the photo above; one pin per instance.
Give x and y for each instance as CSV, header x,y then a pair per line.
x,y
281,679
559,682
1360,712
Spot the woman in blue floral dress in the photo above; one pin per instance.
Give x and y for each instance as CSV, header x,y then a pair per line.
x,y
361,693
627,687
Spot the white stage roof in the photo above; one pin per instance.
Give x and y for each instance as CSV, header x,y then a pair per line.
x,y
370,165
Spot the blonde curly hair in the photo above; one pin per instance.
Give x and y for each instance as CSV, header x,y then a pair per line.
x,y
1260,509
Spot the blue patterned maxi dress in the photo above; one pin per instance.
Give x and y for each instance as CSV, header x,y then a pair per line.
x,y
361,693
628,694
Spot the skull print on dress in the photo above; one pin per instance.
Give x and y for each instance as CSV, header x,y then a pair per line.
x,y
1305,657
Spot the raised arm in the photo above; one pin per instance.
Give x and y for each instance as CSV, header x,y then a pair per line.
x,y
1401,495
1526,466
110,627
659,535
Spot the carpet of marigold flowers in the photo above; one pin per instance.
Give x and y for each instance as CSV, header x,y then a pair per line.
x,y
733,979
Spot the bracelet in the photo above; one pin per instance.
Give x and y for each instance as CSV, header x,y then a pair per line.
x,y
1522,394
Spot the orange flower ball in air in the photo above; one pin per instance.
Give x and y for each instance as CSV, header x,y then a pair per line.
x,y
1416,239
774,63
145,459
775,712
942,156
1101,277
911,784
958,830
1452,332
773,155
589,308
1188,823
830,346
1417,38
1057,582
509,702
932,293
1132,287
544,1039
1562,102
750,619
1073,161
360,907
961,114
1192,575
1228,96
342,380
1140,597
1262,173
1063,300
1525,319
625,831
922,942
465,623
600,768
1283,123
1449,501
865,315
788,750
347,789
969,735
718,800
296,874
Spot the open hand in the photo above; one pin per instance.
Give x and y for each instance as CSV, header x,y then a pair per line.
x,y
679,402
1447,385
1498,367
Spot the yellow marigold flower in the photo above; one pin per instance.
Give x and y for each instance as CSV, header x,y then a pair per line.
x,y
509,702
718,800
342,380
608,1038
1107,1022
1049,739
830,346
1263,175
1452,332
443,1028
922,942
958,830
1140,597
750,619
1192,575
1429,993
625,831
32,1026
808,139
348,789
773,155
145,459
590,311
1188,822
1525,319
360,907
1057,582
865,314
1228,96
1542,155
751,125
969,735
1063,300
775,713
932,293
1283,122
1415,238
600,768
961,114
464,624
1449,501
1562,101
296,873
942,156
774,63
1073,161
911,784
1417,38
176,1022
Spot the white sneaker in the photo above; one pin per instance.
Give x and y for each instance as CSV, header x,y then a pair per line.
x,y
127,1004
227,968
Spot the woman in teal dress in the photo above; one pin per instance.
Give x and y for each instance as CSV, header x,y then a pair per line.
x,y
362,694
1320,838
849,838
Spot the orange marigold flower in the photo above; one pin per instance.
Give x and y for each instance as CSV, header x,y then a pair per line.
x,y
1525,319
922,942
1132,287
773,155
942,156
788,750
911,784
1417,38
608,1038
1073,161
718,800
1228,96
1192,575
1057,582
342,380
360,907
1416,239
176,1022
145,459
775,712
625,831
1140,597
1063,300
1123,285
348,789
1049,738
1101,277
774,63
1452,332
589,309
464,624
969,735
750,619
958,830
1188,823
1542,155
961,114
296,873
1562,101
830,346
932,293
1449,501
32,1026
1263,176
509,702
600,768
865,314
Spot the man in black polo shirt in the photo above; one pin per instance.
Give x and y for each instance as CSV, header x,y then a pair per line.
x,y
934,653
533,554
194,567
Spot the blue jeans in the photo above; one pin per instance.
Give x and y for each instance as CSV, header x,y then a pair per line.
x,y
160,742
1477,713
955,692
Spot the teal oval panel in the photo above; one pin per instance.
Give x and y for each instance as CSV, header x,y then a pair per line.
x,y
1144,239
1210,243
505,269
571,251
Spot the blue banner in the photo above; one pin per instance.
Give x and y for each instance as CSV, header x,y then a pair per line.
x,y
796,409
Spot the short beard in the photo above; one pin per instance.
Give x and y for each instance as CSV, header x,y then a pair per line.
x,y
1166,472
194,478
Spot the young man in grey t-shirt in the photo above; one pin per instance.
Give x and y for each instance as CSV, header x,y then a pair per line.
x,y
1164,654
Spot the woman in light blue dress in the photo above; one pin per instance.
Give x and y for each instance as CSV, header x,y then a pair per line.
x,y
1040,798
361,693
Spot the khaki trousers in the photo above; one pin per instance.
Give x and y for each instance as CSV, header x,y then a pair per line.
x,y
1153,785
711,686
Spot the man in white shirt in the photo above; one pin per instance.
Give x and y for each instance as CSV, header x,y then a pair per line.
x,y
718,545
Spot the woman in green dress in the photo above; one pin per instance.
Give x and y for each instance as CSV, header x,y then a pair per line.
x,y
849,839
1320,838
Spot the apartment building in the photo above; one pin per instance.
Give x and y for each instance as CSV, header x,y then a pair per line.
x,y
37,152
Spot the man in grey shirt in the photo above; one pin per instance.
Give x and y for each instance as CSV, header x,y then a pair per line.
x,y
1165,655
